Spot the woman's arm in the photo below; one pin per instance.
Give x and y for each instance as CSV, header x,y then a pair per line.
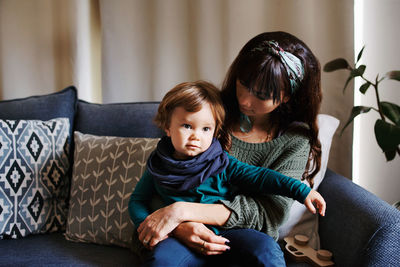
x,y
212,214
158,225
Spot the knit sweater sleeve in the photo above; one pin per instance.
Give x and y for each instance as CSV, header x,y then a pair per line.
x,y
287,155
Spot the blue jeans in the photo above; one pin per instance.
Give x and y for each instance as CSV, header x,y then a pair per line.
x,y
248,248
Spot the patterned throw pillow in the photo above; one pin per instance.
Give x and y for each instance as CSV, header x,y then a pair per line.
x,y
105,172
33,181
61,104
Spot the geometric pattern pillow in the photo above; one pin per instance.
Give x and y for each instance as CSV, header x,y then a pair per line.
x,y
105,172
33,182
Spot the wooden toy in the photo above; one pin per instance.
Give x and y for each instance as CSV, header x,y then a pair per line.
x,y
298,249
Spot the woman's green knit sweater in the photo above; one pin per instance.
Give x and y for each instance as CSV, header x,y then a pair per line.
x,y
287,154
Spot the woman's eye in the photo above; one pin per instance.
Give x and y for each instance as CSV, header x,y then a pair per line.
x,y
242,83
187,126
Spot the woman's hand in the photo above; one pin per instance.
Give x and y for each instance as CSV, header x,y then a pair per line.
x,y
201,239
158,225
315,197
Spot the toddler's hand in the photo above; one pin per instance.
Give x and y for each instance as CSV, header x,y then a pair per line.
x,y
315,197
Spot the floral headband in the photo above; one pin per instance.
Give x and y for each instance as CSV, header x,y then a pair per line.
x,y
293,65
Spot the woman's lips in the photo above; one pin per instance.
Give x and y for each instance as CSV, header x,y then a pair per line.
x,y
245,110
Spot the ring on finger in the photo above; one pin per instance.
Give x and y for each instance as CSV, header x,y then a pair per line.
x,y
145,242
204,244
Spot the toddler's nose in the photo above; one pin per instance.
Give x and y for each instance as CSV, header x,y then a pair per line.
x,y
194,135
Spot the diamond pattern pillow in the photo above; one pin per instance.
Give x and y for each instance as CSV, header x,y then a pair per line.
x,y
33,182
61,104
105,172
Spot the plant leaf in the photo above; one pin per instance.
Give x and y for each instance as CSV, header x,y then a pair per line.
x,y
391,111
360,53
354,73
357,110
359,71
364,87
390,155
336,64
387,135
394,75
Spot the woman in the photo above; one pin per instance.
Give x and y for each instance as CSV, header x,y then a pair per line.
x,y
272,96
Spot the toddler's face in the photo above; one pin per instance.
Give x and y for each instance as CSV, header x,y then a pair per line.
x,y
191,132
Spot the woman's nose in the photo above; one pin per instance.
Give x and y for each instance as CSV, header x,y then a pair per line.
x,y
244,100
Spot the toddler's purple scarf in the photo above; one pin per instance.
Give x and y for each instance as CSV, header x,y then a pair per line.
x,y
181,175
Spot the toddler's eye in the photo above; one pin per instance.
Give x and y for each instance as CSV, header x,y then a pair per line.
x,y
206,129
187,126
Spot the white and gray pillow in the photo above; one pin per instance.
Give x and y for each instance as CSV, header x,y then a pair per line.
x,y
33,176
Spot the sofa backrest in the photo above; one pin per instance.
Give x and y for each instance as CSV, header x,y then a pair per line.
x,y
118,119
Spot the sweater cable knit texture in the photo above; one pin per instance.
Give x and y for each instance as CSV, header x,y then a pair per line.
x,y
286,154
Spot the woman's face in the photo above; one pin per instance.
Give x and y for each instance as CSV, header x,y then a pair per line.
x,y
251,105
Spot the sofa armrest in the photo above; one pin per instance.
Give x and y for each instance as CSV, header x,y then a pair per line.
x,y
359,228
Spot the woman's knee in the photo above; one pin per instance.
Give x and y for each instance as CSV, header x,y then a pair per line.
x,y
256,248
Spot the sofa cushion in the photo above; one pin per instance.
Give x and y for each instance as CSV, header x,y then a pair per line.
x,y
33,181
54,250
119,119
42,107
105,172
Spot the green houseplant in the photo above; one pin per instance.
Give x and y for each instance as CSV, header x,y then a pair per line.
x,y
387,126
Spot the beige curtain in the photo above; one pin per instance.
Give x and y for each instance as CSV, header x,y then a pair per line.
x,y
136,50
47,45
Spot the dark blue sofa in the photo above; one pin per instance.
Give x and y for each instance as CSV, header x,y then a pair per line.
x,y
359,228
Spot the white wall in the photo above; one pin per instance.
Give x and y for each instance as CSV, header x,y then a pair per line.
x,y
376,26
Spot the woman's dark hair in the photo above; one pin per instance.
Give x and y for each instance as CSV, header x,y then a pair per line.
x,y
263,73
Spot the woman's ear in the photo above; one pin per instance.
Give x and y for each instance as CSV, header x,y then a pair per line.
x,y
285,99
